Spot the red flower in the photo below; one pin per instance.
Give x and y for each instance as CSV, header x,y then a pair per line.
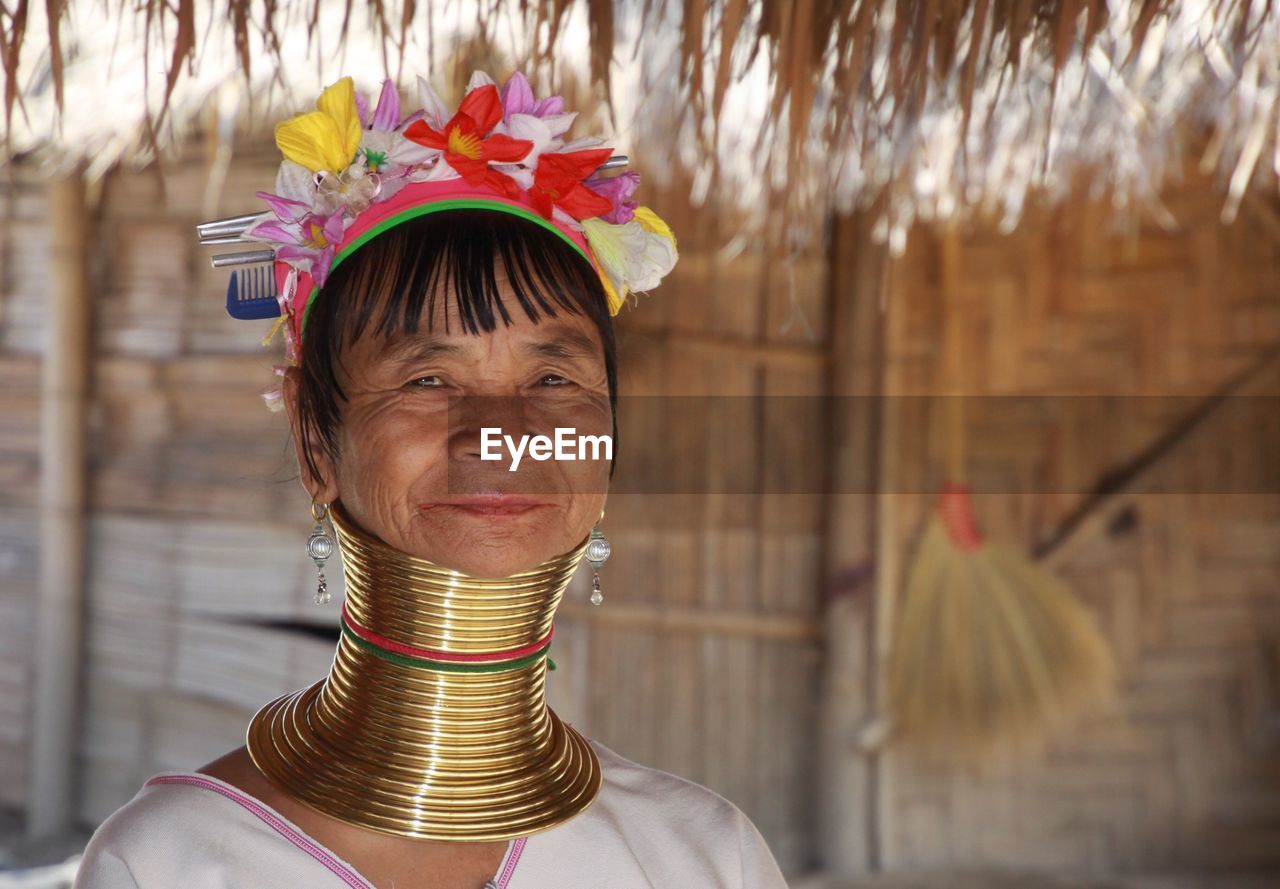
x,y
468,148
557,182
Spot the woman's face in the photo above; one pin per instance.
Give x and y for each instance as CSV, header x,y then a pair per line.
x,y
410,444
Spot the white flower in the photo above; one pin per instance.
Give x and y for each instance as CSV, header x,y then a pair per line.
x,y
533,129
617,248
434,111
658,258
479,79
634,256
296,183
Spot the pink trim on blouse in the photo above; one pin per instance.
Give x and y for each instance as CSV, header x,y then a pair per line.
x,y
340,869
513,855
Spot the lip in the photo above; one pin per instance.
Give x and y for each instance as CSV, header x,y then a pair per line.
x,y
491,504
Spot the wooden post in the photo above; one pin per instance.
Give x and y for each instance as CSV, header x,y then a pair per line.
x,y
60,618
849,826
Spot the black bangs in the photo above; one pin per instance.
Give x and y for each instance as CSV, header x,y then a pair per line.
x,y
401,273
398,278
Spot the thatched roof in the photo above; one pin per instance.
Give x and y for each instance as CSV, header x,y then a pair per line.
x,y
920,108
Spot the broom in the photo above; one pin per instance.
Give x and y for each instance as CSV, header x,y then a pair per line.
x,y
987,645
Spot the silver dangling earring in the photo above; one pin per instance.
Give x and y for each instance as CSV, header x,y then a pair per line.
x,y
319,548
598,551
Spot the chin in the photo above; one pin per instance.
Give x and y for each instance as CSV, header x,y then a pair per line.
x,y
492,545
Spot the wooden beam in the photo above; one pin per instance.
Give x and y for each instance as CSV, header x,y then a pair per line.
x,y
696,620
762,353
60,610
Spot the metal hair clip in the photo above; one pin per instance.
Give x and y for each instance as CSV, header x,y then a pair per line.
x,y
221,227
248,257
231,231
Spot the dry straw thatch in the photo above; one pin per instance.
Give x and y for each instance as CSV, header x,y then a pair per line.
x,y
921,109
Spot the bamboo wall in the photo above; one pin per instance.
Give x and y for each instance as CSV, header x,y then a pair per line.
x,y
724,605
24,241
1181,566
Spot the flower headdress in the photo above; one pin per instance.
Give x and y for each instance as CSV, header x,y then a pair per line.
x,y
350,173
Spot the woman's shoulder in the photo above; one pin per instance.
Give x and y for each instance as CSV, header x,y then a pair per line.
x,y
649,827
190,829
662,813
136,838
626,782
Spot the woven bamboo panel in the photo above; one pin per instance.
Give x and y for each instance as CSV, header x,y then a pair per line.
x,y
1180,771
23,285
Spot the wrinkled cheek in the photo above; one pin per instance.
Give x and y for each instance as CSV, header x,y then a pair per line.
x,y
586,477
586,482
402,465
587,472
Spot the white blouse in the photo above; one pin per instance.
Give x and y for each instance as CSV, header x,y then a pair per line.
x,y
646,828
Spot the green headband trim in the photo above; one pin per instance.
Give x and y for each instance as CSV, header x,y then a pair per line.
x,y
423,210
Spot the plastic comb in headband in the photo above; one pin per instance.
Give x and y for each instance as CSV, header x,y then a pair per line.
x,y
252,294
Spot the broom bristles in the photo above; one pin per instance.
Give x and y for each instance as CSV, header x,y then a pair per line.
x,y
989,646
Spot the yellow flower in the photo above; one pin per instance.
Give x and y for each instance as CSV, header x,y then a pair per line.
x,y
615,302
327,138
653,222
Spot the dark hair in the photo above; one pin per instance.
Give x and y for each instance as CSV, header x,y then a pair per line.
x,y
401,271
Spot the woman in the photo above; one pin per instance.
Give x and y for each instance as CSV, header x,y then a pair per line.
x,y
444,282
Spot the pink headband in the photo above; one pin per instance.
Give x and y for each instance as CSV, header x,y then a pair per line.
x,y
413,200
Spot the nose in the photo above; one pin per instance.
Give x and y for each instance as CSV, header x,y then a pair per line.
x,y
470,415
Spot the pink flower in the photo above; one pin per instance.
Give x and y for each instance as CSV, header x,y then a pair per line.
x,y
618,189
517,98
387,115
305,240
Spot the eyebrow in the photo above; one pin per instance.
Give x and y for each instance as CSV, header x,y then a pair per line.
x,y
418,349
566,343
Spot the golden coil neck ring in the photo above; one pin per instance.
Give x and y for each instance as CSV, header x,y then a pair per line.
x,y
433,721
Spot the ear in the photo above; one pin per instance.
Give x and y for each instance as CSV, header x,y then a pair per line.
x,y
320,490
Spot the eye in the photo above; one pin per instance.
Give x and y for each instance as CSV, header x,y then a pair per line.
x,y
554,380
430,381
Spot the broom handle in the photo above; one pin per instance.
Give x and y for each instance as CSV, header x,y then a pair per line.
x,y
952,353
1108,495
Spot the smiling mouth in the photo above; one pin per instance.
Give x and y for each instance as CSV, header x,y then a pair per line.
x,y
491,504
